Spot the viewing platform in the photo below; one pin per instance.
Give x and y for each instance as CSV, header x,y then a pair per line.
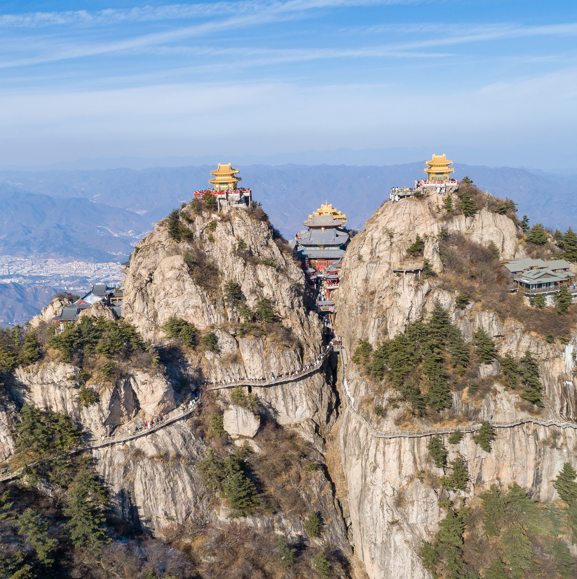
x,y
407,266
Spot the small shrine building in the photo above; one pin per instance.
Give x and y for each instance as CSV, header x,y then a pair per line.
x,y
438,170
324,241
225,188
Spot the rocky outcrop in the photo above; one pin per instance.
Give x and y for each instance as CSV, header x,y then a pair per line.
x,y
52,310
240,421
56,386
393,504
98,310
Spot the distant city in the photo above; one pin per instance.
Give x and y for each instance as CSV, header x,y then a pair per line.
x,y
73,276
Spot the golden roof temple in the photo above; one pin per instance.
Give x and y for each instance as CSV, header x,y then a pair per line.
x,y
438,169
327,210
224,178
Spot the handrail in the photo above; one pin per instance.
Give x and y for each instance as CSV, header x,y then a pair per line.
x,y
110,440
277,381
421,433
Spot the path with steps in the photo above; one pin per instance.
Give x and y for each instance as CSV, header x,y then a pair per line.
x,y
185,411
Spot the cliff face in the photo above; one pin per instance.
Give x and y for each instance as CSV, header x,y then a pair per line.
x,y
393,505
154,481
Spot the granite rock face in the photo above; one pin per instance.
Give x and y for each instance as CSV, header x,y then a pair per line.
x,y
240,421
392,508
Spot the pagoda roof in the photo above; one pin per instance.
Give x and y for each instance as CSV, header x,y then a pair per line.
x,y
439,164
225,174
439,161
332,253
327,210
326,237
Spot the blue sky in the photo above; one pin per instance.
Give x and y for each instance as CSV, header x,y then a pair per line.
x,y
495,79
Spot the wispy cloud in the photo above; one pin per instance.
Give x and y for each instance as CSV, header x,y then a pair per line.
x,y
177,12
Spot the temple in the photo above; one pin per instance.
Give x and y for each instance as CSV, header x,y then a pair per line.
x,y
438,180
226,190
438,170
324,241
224,178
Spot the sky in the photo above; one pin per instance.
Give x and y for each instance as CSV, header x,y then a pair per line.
x,y
494,81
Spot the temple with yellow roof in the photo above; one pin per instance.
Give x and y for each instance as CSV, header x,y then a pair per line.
x,y
438,170
438,180
226,189
224,178
324,241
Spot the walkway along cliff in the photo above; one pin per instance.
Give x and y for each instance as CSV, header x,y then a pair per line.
x,y
230,362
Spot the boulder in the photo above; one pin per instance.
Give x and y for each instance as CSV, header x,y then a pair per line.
x,y
239,421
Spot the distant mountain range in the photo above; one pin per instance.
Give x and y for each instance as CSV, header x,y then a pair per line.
x,y
19,303
73,227
98,212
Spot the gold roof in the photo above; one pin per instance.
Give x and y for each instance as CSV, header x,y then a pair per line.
x,y
438,164
328,210
225,174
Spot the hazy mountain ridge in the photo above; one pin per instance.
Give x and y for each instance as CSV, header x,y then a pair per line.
x,y
19,303
38,224
290,192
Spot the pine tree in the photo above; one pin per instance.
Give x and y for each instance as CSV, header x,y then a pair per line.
x,y
449,203
439,394
570,245
525,223
484,345
313,524
467,205
84,511
537,235
493,511
241,493
265,312
459,476
8,361
181,330
538,301
285,552
430,556
461,301
564,299
174,225
31,348
451,528
456,437
510,369
321,565
232,293
485,436
362,353
529,370
565,561
5,506
34,528
417,247
518,551
438,452
210,342
565,484
428,270
496,571
33,434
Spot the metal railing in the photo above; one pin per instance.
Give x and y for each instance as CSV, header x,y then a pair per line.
x,y
176,415
424,432
284,379
407,265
